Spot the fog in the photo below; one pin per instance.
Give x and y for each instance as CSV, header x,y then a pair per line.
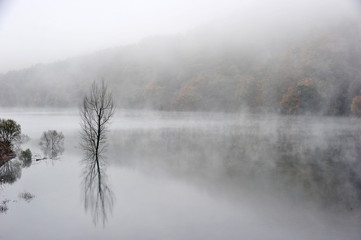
x,y
233,119
47,31
43,31
184,56
191,175
300,157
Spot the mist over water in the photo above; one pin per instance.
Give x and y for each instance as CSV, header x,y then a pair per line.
x,y
197,175
295,154
234,119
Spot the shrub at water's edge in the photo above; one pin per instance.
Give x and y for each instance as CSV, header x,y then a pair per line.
x,y
10,132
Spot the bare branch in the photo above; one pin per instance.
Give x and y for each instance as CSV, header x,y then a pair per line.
x,y
97,110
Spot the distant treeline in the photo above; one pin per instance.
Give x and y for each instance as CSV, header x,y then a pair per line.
x,y
319,72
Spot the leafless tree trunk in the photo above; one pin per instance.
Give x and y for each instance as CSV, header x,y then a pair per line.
x,y
97,109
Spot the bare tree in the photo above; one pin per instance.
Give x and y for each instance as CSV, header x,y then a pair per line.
x,y
52,143
97,109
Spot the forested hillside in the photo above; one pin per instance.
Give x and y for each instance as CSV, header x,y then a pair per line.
x,y
317,72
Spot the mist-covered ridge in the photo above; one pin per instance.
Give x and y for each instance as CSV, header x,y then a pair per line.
x,y
209,69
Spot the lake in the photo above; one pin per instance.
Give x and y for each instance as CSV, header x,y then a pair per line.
x,y
184,175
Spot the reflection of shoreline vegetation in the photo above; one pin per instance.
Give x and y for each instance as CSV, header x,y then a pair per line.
x,y
3,206
11,140
323,166
26,196
10,172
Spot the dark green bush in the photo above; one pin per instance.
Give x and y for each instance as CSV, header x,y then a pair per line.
x,y
25,155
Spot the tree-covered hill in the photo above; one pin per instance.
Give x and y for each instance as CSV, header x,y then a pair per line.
x,y
318,71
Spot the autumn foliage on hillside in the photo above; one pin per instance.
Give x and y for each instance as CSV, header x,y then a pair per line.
x,y
356,106
188,96
316,73
301,98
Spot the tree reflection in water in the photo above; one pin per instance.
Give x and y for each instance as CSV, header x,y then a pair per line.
x,y
98,197
95,113
10,172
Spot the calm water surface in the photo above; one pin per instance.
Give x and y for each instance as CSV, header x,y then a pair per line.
x,y
192,176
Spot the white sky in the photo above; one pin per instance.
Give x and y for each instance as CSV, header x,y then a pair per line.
x,y
33,31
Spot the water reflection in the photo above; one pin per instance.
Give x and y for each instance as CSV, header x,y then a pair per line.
x,y
98,197
10,172
287,155
27,162
324,165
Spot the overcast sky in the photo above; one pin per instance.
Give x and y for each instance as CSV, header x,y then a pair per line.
x,y
33,31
